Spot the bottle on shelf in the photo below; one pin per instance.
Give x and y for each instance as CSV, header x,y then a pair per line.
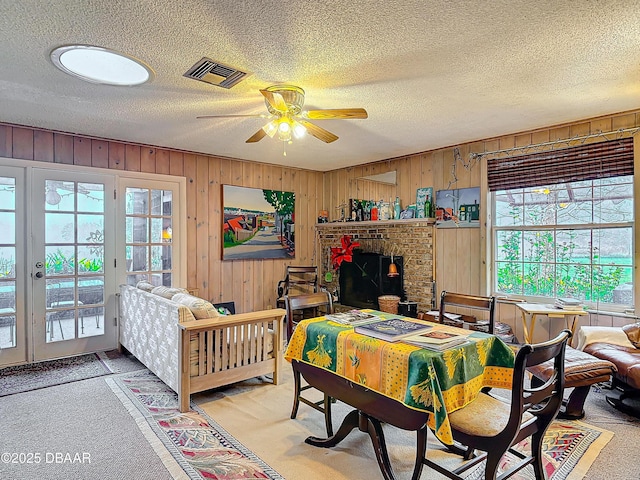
x,y
374,211
396,209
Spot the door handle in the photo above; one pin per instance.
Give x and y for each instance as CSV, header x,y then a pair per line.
x,y
39,274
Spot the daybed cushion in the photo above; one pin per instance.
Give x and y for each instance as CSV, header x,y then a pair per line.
x,y
144,285
199,307
167,292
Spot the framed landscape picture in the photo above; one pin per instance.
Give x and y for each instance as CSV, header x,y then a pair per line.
x,y
458,208
258,223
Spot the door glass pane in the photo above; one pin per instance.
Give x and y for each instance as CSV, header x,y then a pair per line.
x,y
140,259
149,235
91,291
156,230
156,257
90,228
59,195
90,197
61,313
7,314
59,228
8,226
8,193
7,262
91,310
60,260
90,259
140,232
137,201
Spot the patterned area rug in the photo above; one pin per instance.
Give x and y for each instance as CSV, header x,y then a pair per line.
x,y
188,443
24,378
569,449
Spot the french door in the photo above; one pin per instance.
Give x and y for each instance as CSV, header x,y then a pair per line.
x,y
13,348
61,287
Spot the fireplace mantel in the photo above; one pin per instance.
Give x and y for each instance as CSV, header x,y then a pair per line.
x,y
377,223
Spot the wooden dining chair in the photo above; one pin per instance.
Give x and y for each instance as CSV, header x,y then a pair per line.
x,y
320,303
493,425
298,280
308,305
466,305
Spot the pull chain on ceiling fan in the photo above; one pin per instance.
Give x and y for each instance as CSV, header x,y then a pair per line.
x,y
284,103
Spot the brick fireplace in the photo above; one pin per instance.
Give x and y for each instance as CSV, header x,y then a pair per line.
x,y
410,239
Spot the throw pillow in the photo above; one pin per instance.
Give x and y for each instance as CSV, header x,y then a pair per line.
x,y
167,292
199,307
633,333
144,285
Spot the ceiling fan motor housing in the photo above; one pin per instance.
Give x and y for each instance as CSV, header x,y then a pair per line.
x,y
293,96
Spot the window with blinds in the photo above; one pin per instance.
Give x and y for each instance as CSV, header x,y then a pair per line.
x,y
563,223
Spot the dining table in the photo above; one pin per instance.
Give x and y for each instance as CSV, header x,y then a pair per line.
x,y
404,385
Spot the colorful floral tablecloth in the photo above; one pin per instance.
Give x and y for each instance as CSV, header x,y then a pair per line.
x,y
426,380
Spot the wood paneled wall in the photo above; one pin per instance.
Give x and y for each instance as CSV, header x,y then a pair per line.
x,y
250,283
460,253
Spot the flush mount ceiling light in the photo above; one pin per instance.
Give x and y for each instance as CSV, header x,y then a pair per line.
x,y
100,65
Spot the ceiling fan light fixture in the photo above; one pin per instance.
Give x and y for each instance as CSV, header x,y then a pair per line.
x,y
299,130
284,127
271,128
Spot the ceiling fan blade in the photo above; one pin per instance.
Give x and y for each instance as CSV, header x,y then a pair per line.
x,y
232,116
256,137
275,100
320,133
336,113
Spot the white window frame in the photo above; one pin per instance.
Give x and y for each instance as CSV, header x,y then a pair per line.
x,y
595,305
179,222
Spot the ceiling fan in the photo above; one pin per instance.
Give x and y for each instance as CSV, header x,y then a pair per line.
x,y
284,103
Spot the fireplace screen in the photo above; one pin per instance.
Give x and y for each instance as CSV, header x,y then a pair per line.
x,y
364,279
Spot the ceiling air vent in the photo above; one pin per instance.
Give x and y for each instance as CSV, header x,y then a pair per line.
x,y
209,71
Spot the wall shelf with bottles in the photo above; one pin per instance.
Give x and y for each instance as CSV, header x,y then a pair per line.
x,y
376,222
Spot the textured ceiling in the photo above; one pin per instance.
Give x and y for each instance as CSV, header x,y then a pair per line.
x,y
429,73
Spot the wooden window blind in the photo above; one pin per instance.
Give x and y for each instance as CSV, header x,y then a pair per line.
x,y
612,158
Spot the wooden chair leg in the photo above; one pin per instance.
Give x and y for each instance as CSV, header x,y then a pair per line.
x,y
327,415
491,467
296,393
536,451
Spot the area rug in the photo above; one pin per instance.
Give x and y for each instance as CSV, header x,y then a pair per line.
x,y
191,441
257,414
24,378
569,449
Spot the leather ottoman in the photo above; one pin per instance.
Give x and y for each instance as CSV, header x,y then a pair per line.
x,y
626,359
625,392
581,370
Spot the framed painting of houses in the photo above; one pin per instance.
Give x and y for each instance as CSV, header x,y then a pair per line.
x,y
258,223
458,208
